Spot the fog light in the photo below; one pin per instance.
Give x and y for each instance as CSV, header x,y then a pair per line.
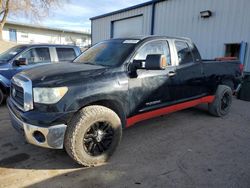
x,y
39,136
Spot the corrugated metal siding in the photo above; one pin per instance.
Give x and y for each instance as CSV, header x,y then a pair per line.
x,y
101,28
229,23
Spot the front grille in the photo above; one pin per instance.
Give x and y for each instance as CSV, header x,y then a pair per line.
x,y
17,94
21,92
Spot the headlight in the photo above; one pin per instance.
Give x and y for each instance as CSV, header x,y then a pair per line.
x,y
49,95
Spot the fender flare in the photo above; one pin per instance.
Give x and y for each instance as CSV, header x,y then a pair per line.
x,y
118,107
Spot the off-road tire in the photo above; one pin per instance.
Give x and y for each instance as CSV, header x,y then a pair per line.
x,y
80,125
216,107
1,97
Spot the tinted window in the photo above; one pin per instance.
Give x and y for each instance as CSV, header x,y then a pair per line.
x,y
37,55
155,47
109,53
184,53
66,54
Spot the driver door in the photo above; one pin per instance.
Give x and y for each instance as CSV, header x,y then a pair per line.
x,y
149,90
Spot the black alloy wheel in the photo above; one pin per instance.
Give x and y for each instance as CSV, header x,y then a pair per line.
x,y
98,138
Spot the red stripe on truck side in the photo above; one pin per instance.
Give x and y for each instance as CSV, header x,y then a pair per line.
x,y
166,110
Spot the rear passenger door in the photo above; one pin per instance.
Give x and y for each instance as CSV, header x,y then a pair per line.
x,y
187,81
65,54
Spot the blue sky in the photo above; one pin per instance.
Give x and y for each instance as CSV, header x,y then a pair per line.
x,y
75,14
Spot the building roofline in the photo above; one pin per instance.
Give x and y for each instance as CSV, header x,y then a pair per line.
x,y
46,28
127,9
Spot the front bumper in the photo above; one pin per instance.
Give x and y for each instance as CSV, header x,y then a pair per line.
x,y
48,137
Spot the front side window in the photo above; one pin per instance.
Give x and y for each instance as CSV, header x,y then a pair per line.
x,y
184,53
155,47
66,54
37,55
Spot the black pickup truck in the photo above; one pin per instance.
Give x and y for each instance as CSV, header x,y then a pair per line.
x,y
83,106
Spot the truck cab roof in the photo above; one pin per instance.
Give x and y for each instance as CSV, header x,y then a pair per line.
x,y
151,37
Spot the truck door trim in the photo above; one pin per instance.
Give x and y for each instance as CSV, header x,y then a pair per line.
x,y
166,110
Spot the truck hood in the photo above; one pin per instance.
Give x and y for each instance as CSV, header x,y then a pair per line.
x,y
59,73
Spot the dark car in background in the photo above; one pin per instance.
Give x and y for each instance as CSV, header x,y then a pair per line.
x,y
23,57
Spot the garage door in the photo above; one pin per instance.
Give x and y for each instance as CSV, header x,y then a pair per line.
x,y
128,27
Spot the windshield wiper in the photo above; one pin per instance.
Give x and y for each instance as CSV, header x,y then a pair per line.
x,y
89,63
96,64
104,65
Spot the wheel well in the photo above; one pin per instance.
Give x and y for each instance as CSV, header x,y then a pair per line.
x,y
113,105
4,90
229,83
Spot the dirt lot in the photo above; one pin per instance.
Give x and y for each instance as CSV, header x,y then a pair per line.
x,y
185,149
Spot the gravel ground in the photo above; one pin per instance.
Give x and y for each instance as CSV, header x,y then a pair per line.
x,y
184,149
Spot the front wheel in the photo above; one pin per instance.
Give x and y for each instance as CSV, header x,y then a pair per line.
x,y
223,101
93,135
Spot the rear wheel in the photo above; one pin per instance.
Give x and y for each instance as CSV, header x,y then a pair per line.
x,y
1,96
223,101
93,135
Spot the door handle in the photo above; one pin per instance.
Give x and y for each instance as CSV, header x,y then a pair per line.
x,y
171,73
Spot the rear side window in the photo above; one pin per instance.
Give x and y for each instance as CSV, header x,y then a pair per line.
x,y
65,54
37,55
184,53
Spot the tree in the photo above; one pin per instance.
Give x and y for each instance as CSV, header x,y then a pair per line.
x,y
4,11
35,10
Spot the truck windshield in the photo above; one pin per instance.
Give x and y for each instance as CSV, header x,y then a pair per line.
x,y
9,54
109,53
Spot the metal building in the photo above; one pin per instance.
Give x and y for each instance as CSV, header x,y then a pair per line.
x,y
218,27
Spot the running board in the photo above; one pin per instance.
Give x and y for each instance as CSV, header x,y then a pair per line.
x,y
166,110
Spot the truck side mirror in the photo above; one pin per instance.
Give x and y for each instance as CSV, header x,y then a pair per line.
x,y
156,62
20,62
